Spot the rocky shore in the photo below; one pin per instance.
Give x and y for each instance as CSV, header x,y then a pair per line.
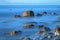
x,y
29,31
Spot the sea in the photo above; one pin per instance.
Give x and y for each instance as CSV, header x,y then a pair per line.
x,y
9,23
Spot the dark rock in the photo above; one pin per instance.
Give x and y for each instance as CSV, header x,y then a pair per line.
x,y
15,33
30,25
28,13
17,16
44,13
53,13
41,26
39,14
39,32
46,29
25,38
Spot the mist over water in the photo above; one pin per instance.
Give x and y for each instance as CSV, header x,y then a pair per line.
x,y
9,23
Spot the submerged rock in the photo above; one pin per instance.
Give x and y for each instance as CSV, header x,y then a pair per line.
x,y
44,13
53,13
41,26
28,13
57,31
15,33
30,25
39,32
49,36
39,14
58,18
46,29
17,16
25,38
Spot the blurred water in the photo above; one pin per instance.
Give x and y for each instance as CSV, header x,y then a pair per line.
x,y
8,23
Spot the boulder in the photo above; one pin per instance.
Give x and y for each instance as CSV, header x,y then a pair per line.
x,y
39,32
15,33
44,12
25,38
57,31
17,16
39,14
53,13
28,13
46,29
29,25
41,26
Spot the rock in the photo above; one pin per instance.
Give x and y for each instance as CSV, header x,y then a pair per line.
x,y
25,38
57,31
58,25
46,29
44,13
28,13
39,32
53,13
39,14
49,36
17,16
58,18
41,26
29,25
32,23
15,33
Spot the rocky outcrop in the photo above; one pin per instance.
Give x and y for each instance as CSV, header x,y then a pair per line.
x,y
57,31
28,13
30,25
15,33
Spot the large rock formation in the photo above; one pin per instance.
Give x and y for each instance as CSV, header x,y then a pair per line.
x,y
28,13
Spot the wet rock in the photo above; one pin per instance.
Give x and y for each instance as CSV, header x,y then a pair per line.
x,y
57,31
49,36
15,33
17,16
41,26
39,14
58,25
30,25
25,38
28,13
46,29
58,18
44,13
53,13
39,32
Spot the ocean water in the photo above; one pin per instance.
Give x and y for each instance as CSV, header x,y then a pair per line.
x,y
9,23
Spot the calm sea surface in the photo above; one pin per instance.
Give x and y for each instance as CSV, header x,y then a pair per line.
x,y
8,23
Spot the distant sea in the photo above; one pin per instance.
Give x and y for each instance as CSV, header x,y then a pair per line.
x,y
19,9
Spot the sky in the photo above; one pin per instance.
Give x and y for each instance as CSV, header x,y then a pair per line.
x,y
29,2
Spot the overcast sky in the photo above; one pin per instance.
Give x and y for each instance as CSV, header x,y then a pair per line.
x,y
29,2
